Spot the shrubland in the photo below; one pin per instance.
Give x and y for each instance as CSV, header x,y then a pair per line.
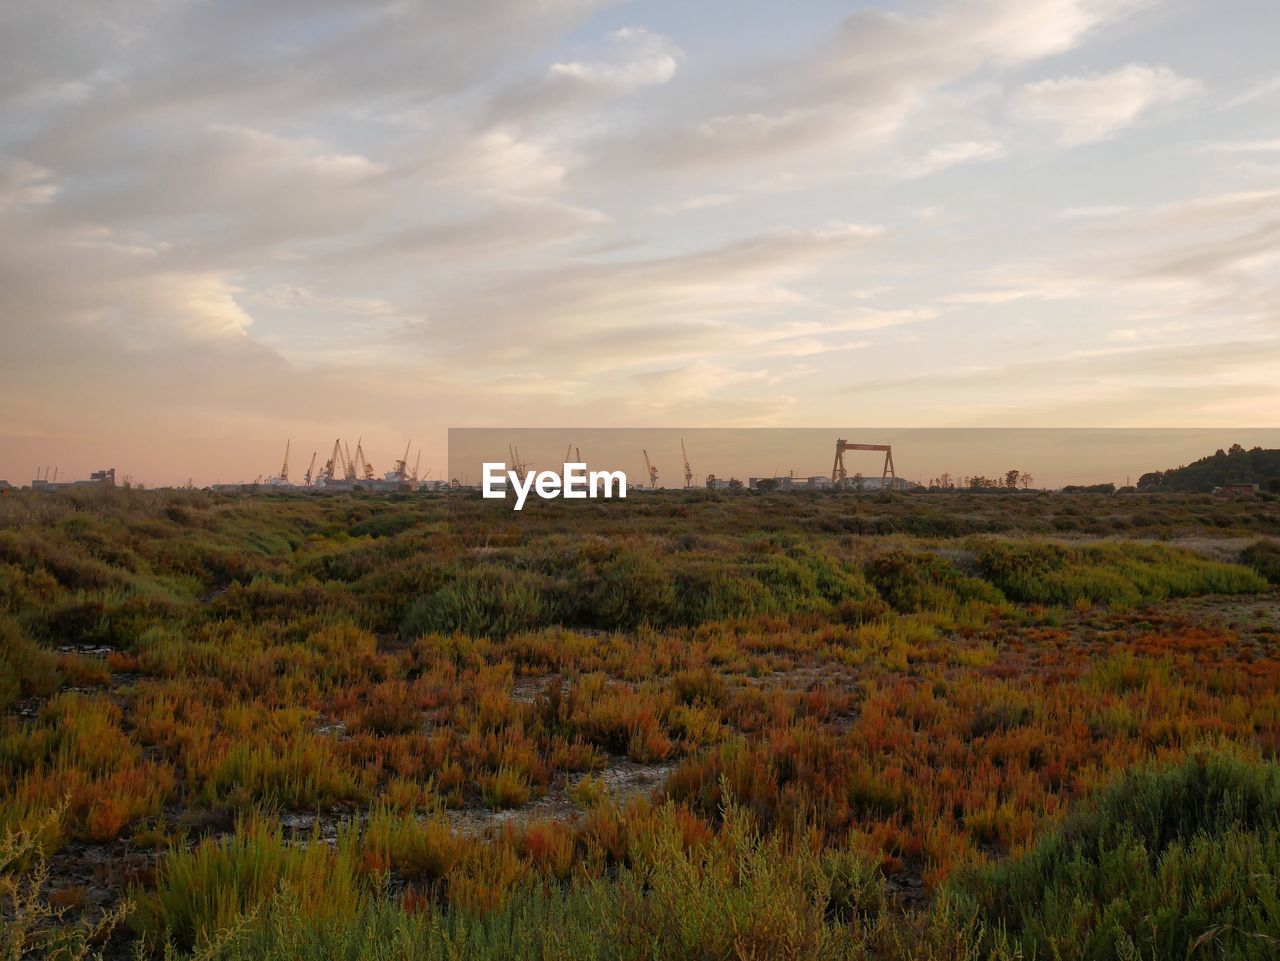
x,y
928,726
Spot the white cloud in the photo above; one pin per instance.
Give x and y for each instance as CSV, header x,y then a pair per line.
x,y
1008,295
1264,89
501,160
880,77
953,154
1244,146
700,202
647,59
292,297
621,315
24,184
636,58
1091,107
1093,212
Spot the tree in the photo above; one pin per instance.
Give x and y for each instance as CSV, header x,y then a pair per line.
x,y
945,481
767,484
1253,466
859,482
1026,480
1011,478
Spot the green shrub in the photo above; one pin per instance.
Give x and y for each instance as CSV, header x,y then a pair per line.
x,y
631,589
383,525
1264,557
26,669
925,582
711,591
1123,574
1169,862
488,602
736,896
213,886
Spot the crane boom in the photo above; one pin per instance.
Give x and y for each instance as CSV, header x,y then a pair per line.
x,y
362,466
653,471
349,465
284,468
334,462
688,471
401,471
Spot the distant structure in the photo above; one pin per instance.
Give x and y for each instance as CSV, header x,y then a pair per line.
x,y
5,487
652,471
888,479
715,483
1237,489
343,471
789,483
99,478
281,479
400,474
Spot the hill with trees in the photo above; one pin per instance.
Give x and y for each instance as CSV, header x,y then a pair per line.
x,y
1232,466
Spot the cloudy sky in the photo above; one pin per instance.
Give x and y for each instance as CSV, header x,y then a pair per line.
x,y
225,224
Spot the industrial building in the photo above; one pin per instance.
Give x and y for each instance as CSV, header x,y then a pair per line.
x,y
790,482
99,478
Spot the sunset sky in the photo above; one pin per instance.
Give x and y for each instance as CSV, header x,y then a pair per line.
x,y
228,224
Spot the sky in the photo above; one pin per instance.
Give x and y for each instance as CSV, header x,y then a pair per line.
x,y
224,225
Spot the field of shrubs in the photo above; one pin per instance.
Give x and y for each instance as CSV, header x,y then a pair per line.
x,y
685,725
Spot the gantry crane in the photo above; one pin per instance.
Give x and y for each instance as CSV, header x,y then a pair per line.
x,y
653,471
688,471
838,472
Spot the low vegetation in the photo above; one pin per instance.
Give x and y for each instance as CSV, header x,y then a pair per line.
x,y
687,725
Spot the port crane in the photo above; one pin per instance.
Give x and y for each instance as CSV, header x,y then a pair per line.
x,y
513,454
284,468
362,466
577,455
653,471
309,479
688,471
838,472
333,464
401,471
